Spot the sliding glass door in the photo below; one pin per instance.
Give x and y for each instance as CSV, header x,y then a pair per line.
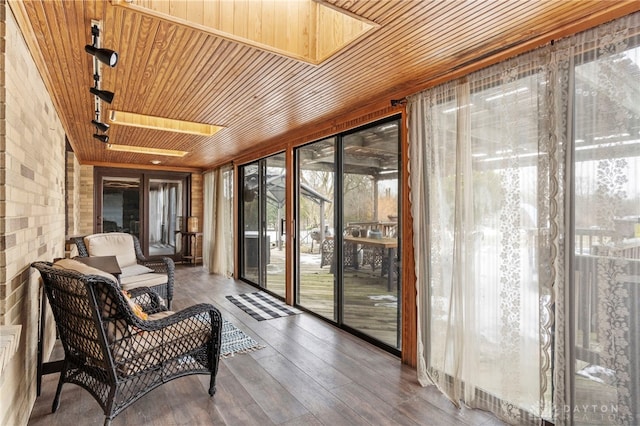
x,y
151,205
262,213
348,233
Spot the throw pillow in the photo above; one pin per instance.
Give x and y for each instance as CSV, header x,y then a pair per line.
x,y
133,270
137,309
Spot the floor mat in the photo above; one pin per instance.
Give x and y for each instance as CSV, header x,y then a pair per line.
x,y
262,306
235,341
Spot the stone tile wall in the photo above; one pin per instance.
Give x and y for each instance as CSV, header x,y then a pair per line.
x,y
86,201
72,188
32,208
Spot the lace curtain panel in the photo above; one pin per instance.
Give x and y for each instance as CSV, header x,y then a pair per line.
x,y
515,170
217,250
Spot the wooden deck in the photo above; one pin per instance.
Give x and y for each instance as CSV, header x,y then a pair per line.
x,y
370,306
309,373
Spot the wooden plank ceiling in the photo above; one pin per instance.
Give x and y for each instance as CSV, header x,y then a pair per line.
x,y
172,70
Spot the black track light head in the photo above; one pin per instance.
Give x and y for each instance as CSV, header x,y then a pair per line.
x,y
103,127
102,94
101,138
106,56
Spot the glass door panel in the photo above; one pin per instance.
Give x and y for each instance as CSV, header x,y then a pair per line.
x,y
262,218
120,205
315,216
250,221
150,205
606,238
165,207
274,210
370,230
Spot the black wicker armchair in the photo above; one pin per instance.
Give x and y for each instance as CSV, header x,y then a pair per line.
x,y
113,353
137,271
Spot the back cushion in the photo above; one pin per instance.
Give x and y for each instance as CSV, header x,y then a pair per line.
x,y
115,328
112,244
74,265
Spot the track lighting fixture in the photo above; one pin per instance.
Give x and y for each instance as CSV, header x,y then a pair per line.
x,y
103,127
102,94
106,56
101,138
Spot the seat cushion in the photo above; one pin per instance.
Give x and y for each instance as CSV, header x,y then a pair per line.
x,y
145,349
143,280
116,244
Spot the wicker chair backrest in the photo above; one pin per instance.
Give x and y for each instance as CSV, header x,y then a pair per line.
x,y
75,312
117,244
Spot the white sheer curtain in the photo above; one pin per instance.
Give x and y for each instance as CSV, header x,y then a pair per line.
x,y
525,177
218,221
155,217
480,162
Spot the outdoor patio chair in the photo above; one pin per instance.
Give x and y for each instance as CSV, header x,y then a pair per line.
x,y
137,271
327,254
118,350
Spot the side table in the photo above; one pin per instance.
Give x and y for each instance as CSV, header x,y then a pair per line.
x,y
191,250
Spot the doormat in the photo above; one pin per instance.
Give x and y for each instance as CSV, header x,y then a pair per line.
x,y
235,341
262,306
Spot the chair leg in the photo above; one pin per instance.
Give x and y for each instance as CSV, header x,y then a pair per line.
x,y
56,399
212,385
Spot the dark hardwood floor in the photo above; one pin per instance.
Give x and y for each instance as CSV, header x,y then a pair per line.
x,y
309,373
